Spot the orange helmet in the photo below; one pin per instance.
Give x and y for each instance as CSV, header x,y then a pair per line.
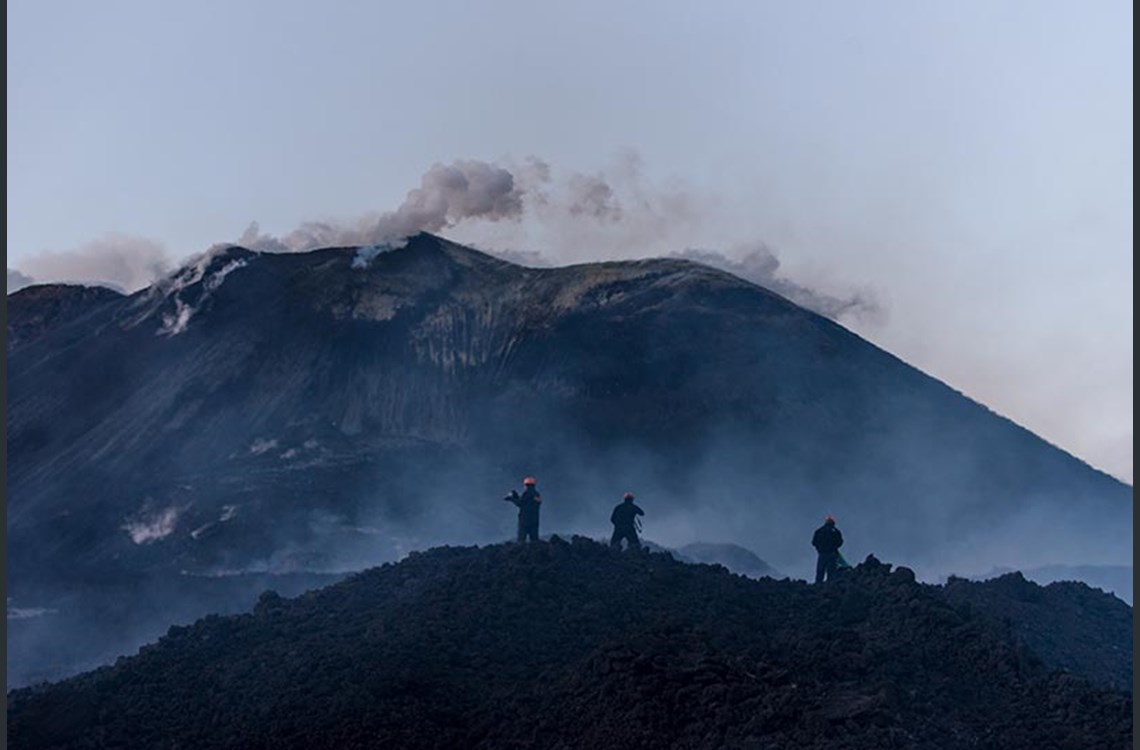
x,y
627,496
530,481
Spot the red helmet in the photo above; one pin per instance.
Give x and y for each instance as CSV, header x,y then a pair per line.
x,y
530,481
627,496
830,519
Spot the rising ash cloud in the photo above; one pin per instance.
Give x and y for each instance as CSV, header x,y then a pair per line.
x,y
447,194
122,262
17,280
758,263
525,212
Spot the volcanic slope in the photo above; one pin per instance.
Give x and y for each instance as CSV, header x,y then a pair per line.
x,y
572,644
329,410
39,309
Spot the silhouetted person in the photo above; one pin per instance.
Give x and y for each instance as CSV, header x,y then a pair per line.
x,y
827,540
528,503
624,519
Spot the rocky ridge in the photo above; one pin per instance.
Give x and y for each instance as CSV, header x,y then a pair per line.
x,y
570,644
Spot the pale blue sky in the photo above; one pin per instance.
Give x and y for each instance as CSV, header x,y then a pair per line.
x,y
967,163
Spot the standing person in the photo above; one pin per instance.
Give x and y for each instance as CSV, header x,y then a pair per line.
x,y
827,540
528,504
624,519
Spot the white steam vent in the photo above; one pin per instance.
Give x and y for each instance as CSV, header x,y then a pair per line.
x,y
261,445
148,527
208,271
365,255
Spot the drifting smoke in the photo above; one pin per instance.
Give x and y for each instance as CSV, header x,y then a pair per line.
x,y
123,262
760,266
609,215
528,258
615,214
17,280
447,195
624,215
594,198
262,446
253,239
26,613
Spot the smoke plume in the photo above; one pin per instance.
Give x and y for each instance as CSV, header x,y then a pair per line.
x,y
612,214
448,194
123,262
524,212
620,213
17,280
760,265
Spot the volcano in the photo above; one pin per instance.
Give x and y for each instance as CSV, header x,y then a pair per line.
x,y
322,412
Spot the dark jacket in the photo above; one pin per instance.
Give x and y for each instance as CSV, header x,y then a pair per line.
x,y
528,503
623,514
827,540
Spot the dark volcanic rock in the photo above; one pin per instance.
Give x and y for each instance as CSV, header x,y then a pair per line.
x,y
570,645
36,310
59,634
1070,626
1114,579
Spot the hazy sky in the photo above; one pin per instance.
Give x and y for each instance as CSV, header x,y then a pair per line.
x,y
966,166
